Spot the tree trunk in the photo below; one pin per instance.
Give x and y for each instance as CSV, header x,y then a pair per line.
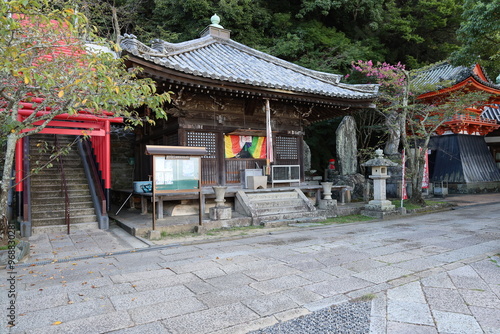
x,y
417,172
393,123
6,180
116,25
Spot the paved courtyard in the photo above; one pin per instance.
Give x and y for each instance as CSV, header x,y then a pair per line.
x,y
434,273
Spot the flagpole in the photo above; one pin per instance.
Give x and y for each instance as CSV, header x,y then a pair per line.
x,y
403,185
269,139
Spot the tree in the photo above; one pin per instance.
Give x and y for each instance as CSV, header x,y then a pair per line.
x,y
45,61
479,34
420,32
411,123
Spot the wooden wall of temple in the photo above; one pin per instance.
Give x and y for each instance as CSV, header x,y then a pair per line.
x,y
205,118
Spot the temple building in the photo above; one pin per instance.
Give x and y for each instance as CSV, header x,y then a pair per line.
x,y
248,108
466,151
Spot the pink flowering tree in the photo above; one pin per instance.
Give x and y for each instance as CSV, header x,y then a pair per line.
x,y
393,92
411,123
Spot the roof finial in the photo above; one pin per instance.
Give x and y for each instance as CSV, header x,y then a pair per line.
x,y
215,21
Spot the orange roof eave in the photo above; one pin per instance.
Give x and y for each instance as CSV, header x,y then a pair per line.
x,y
469,82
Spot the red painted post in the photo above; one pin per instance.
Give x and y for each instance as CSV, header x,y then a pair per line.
x,y
107,155
19,165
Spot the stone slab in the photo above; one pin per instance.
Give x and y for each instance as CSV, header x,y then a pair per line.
x,y
270,304
160,311
212,319
409,312
449,322
103,323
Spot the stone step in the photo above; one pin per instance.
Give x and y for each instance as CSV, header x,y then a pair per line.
x,y
287,216
47,196
266,196
56,186
60,221
281,210
297,222
277,203
56,204
59,213
56,178
60,229
35,196
52,200
54,169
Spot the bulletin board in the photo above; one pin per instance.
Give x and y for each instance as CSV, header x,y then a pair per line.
x,y
176,173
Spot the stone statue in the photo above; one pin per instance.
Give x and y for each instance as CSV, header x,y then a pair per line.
x,y
307,157
347,146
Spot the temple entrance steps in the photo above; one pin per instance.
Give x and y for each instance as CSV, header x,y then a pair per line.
x,y
47,195
274,208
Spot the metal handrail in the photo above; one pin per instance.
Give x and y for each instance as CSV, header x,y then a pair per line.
x,y
64,185
96,179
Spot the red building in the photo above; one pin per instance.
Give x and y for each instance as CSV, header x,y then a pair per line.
x,y
466,152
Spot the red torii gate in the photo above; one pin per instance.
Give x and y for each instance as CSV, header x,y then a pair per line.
x,y
96,126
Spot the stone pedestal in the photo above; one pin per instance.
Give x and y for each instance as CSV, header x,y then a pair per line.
x,y
330,207
327,204
327,190
345,195
220,213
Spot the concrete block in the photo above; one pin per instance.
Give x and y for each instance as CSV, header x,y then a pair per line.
x,y
257,182
201,229
154,235
378,214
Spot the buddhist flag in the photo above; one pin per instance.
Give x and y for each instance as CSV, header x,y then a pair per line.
x,y
245,147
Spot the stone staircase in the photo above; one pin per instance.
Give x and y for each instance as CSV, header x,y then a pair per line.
x,y
47,197
277,208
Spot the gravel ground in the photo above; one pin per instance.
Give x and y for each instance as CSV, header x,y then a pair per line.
x,y
345,318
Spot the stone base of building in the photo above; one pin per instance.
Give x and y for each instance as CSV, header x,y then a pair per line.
x,y
379,214
380,205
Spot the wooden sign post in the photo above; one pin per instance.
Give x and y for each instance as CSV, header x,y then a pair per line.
x,y
176,169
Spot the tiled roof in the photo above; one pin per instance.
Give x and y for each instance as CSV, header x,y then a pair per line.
x,y
444,74
228,61
492,112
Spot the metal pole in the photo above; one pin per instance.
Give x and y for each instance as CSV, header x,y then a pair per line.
x,y
153,194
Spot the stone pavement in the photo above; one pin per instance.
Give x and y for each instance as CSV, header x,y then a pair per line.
x,y
81,243
434,273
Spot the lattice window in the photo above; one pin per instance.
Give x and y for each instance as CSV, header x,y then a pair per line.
x,y
203,139
286,148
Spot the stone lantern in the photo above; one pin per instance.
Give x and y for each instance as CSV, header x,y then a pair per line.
x,y
220,212
379,206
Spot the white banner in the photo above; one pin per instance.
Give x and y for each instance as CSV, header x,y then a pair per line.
x,y
425,178
404,195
